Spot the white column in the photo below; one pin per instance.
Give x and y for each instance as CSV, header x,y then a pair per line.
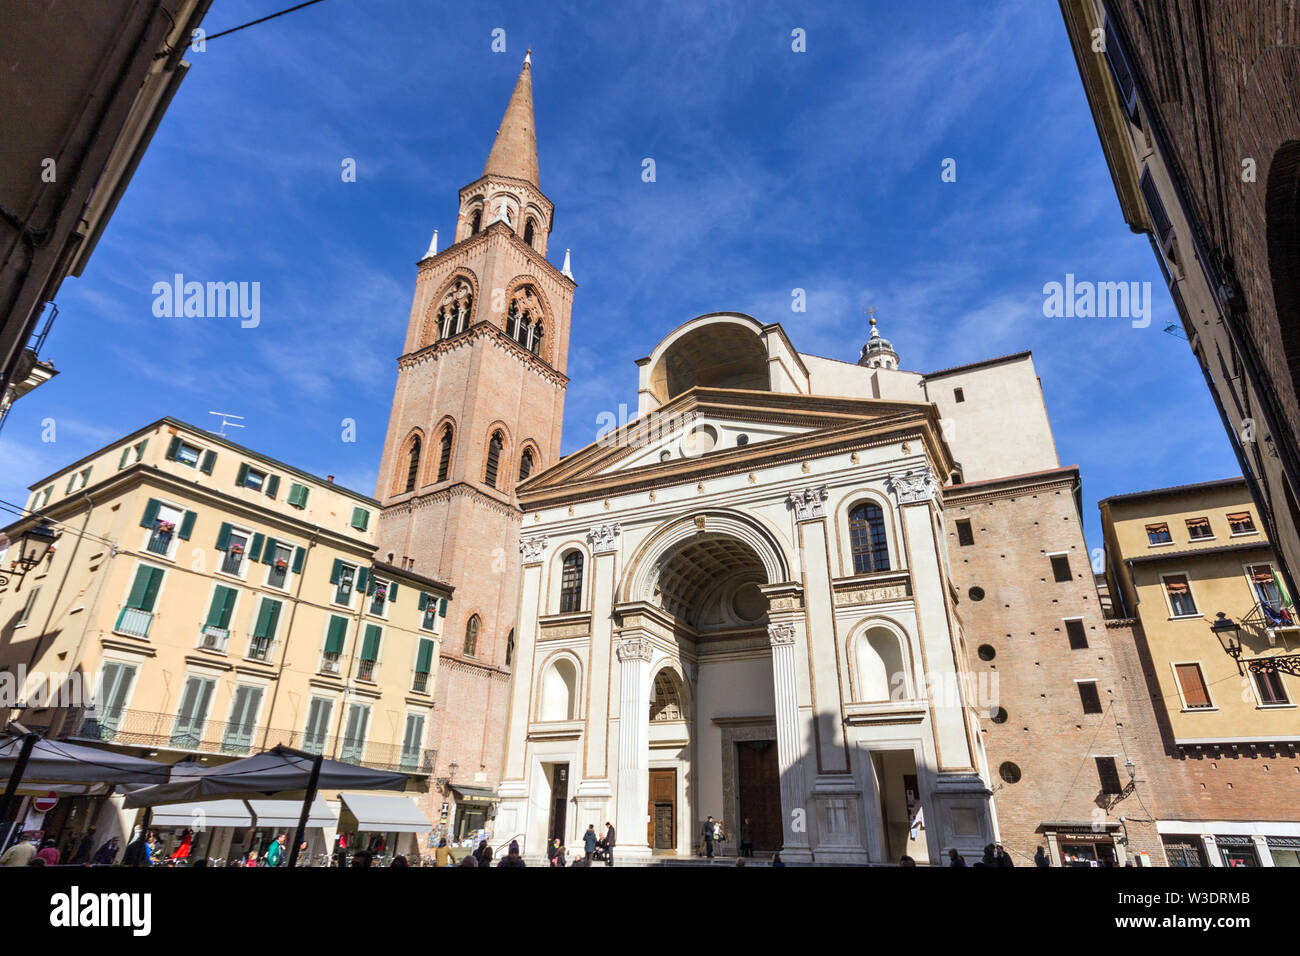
x,y
594,789
633,745
789,742
1262,851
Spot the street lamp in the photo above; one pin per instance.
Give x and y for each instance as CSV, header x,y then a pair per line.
x,y
1227,630
33,546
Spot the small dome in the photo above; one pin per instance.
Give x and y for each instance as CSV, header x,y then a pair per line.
x,y
879,351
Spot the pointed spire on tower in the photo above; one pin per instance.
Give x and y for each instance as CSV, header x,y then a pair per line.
x,y
514,152
566,271
433,247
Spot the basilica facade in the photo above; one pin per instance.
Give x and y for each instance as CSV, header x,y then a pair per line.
x,y
741,605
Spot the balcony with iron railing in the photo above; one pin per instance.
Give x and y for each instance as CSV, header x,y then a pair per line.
x,y
259,648
366,670
420,684
135,728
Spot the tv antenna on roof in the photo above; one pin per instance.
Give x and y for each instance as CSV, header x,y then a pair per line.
x,y
227,423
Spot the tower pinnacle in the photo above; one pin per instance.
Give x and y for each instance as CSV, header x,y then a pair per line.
x,y
514,152
878,352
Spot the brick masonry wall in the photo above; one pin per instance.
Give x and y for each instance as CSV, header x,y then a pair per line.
x,y
1046,734
1225,80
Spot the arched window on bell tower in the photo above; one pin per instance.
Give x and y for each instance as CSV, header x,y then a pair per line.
x,y
535,343
528,231
525,464
471,637
455,308
476,222
413,464
444,455
493,459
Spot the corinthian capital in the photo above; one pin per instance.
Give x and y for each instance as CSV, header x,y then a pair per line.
x,y
913,486
808,503
602,537
780,634
634,649
532,548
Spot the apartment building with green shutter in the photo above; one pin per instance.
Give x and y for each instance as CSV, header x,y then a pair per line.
x,y
216,602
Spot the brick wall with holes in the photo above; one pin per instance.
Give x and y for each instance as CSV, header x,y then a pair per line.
x,y
1042,733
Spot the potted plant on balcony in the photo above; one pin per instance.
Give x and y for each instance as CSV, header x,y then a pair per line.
x,y
281,564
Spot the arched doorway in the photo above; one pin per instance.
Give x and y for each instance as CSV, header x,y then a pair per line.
x,y
709,585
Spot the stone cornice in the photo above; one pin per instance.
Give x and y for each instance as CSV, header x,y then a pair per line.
x,y
494,334
1011,487
798,448
459,489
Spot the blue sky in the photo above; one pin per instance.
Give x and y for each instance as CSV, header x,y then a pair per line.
x,y
775,170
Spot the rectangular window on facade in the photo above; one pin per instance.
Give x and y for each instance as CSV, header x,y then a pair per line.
x,y
423,666
298,495
1089,696
1241,523
1120,70
216,627
958,395
1159,533
316,737
344,579
1272,692
235,544
137,614
369,653
354,733
132,454
183,452
379,596
1267,588
1199,528
965,535
360,519
1061,568
429,611
110,703
268,618
193,714
412,741
252,478
334,638
1077,635
1108,775
242,726
1196,696
279,557
1164,229
1179,592
26,612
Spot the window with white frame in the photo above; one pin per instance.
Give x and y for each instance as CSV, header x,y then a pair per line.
x,y
114,687
1178,591
344,579
316,736
1191,685
1271,689
234,542
278,559
354,733
196,698
412,742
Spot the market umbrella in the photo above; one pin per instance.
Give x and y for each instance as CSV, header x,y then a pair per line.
x,y
281,772
28,759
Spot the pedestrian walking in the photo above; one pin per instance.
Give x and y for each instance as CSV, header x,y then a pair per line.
x,y
1041,858
1002,857
609,843
709,830
513,857
81,856
589,842
20,854
483,854
183,849
989,859
746,838
442,855
555,851
275,852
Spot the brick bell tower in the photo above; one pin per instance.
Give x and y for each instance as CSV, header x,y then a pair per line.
x,y
477,408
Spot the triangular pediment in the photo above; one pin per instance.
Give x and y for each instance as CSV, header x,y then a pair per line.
x,y
705,425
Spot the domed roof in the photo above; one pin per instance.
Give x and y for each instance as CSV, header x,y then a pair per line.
x,y
877,347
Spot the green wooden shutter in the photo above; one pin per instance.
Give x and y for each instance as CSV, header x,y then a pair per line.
x,y
424,659
363,576
268,556
122,463
334,572
337,633
72,480
150,513
298,495
223,603
144,590
243,475
370,647
173,447
256,548
272,486
442,608
299,555
209,462
223,536
360,518
268,616
187,525
424,600
392,592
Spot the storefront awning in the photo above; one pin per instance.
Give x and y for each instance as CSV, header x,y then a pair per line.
x,y
284,814
385,814
475,793
208,813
